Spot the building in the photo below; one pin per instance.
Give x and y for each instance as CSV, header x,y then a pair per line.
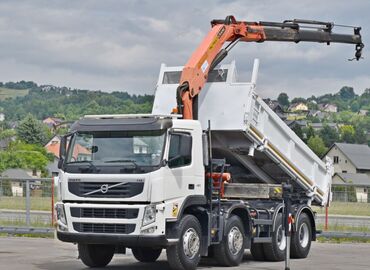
x,y
79,153
331,108
320,126
296,107
2,117
363,112
353,187
52,122
350,158
16,185
276,107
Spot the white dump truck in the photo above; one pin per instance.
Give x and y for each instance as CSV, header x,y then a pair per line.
x,y
207,186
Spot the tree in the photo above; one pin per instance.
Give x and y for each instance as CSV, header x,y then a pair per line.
x,y
346,93
298,130
32,131
283,99
347,134
298,100
317,145
355,106
329,135
22,155
360,134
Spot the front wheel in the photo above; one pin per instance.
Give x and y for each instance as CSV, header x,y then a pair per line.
x,y
185,254
301,239
146,255
231,249
96,255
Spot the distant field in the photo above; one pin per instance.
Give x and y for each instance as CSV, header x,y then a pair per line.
x,y
12,93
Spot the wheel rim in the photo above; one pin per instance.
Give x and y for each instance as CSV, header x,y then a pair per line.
x,y
235,240
281,240
191,243
303,235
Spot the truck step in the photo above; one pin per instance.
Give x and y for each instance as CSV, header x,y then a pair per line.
x,y
262,240
262,222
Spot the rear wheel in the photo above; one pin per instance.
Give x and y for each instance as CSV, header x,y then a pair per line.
x,y
96,255
231,249
185,254
301,239
275,251
146,255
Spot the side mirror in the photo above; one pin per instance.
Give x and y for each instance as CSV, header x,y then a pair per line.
x,y
62,148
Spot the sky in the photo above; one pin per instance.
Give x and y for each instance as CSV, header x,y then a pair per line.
x,y
119,45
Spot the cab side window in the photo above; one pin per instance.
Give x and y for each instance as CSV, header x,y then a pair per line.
x,y
180,150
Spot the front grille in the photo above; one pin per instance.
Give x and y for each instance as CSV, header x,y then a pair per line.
x,y
105,189
80,212
103,228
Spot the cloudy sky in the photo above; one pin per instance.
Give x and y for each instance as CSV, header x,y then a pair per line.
x,y
119,45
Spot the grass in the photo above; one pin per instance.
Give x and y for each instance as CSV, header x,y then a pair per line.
x,y
346,208
321,239
19,203
12,93
343,228
21,223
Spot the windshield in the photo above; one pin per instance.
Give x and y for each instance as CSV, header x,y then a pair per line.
x,y
125,149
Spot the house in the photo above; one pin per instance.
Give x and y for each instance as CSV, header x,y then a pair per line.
x,y
52,147
276,107
320,126
16,185
296,107
52,122
351,187
331,108
79,153
363,112
350,158
2,117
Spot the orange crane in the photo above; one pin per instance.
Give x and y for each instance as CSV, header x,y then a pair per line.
x,y
211,52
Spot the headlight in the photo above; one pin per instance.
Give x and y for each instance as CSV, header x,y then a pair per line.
x,y
149,215
61,216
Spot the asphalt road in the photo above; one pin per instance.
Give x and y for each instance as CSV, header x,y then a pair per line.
x,y
49,254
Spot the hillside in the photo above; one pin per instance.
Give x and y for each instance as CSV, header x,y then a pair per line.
x,y
70,104
12,93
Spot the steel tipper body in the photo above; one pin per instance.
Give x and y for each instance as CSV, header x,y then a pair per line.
x,y
257,144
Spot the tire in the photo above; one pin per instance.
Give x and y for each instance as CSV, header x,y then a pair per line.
x,y
257,252
146,255
96,255
301,239
185,254
275,251
231,249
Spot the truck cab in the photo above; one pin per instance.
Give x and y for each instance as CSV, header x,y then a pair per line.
x,y
131,174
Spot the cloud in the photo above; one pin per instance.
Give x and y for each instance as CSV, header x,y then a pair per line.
x,y
119,45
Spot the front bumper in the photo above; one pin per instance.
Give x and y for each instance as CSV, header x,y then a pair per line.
x,y
125,240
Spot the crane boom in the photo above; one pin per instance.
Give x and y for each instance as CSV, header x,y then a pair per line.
x,y
211,52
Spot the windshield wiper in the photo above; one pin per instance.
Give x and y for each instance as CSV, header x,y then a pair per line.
x,y
121,160
92,166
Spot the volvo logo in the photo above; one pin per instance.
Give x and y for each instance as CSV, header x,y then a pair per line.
x,y
104,188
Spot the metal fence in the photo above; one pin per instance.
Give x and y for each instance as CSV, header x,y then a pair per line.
x,y
360,195
26,203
